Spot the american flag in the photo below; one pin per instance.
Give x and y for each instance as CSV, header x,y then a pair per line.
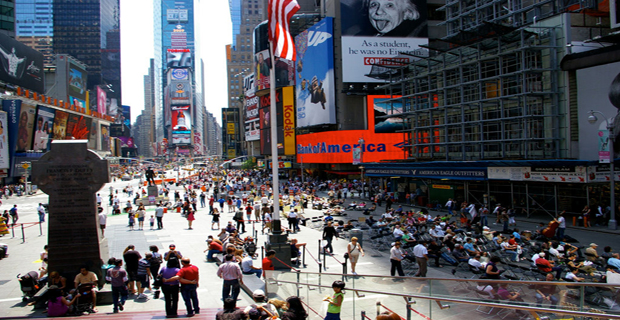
x,y
280,13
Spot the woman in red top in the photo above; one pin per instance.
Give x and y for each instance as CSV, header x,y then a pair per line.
x,y
190,218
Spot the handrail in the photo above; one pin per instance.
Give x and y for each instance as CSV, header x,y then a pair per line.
x,y
476,303
29,224
499,281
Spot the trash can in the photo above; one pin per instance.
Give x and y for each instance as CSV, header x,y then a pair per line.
x,y
359,234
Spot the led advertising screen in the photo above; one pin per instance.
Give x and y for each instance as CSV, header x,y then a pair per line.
x,y
384,107
285,71
126,142
25,128
126,119
77,127
375,33
77,102
43,129
101,100
77,82
180,92
60,125
181,124
179,58
21,65
315,72
340,146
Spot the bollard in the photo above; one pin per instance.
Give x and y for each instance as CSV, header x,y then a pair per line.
x,y
40,229
319,255
574,221
344,266
585,221
23,234
363,315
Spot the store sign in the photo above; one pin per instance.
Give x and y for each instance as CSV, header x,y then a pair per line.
x,y
434,173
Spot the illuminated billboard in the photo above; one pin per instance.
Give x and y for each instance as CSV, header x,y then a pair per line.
x,y
252,121
43,129
285,115
340,146
77,83
60,125
25,127
180,92
77,127
179,58
101,100
181,125
387,106
285,71
21,65
380,34
177,15
315,71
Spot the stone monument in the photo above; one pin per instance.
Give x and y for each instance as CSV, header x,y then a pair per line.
x,y
71,175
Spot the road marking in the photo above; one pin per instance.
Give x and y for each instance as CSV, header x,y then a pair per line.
x,y
10,299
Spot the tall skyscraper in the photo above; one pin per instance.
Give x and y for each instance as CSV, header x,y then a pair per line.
x,y
34,26
175,36
90,32
7,18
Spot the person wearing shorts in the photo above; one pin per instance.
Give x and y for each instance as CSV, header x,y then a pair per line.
x,y
144,274
354,249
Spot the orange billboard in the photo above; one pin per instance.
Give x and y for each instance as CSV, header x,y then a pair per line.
x,y
338,146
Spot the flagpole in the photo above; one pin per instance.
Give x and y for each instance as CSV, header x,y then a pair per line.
x,y
275,226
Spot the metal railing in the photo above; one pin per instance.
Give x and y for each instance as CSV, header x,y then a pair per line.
x,y
24,226
428,297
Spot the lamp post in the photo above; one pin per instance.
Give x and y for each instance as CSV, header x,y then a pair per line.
x,y
302,172
612,224
363,191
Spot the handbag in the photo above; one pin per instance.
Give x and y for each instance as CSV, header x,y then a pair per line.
x,y
159,281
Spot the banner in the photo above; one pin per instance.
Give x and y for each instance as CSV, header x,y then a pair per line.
x,y
604,155
288,113
105,138
285,71
44,125
315,70
198,146
4,144
375,36
101,100
12,108
21,65
25,128
60,125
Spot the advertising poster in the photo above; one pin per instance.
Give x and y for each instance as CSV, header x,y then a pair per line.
x,y
60,125
77,127
77,82
25,128
265,118
179,58
21,65
93,135
179,74
285,71
43,129
4,144
375,33
112,108
383,107
340,146
12,108
126,142
315,75
181,138
126,119
101,100
198,147
77,102
288,117
180,92
252,130
181,120
105,138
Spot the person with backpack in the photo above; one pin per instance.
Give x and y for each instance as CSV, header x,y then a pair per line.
x,y
173,255
14,215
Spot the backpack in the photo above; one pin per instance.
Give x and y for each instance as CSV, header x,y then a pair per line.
x,y
13,211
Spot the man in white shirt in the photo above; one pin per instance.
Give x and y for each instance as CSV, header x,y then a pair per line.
x,y
397,233
41,211
247,267
102,222
421,257
475,262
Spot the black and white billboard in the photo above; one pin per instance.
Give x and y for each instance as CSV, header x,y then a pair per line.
x,y
21,65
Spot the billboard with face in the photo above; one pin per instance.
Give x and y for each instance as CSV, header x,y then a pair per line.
x,y
285,71
126,119
21,65
105,138
77,82
43,129
375,33
25,128
315,72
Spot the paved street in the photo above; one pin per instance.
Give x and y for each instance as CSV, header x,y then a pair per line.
x,y
23,257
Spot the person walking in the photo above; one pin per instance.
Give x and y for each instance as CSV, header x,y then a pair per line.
x,y
117,278
354,249
396,256
190,219
140,213
335,301
14,215
233,277
170,289
41,212
159,214
329,232
189,278
421,257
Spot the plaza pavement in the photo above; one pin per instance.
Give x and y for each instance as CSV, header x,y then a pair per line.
x,y
23,256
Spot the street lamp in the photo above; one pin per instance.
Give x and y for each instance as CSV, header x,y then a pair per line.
x,y
363,191
612,224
